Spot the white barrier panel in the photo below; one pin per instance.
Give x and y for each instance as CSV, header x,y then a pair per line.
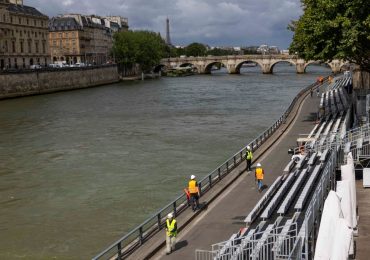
x,y
331,213
349,213
344,193
343,239
348,173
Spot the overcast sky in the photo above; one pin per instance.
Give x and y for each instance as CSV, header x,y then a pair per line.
x,y
213,22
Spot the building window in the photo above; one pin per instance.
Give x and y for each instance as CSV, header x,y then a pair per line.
x,y
6,46
34,22
37,47
43,47
11,19
29,47
15,63
28,21
24,63
55,43
13,46
21,47
20,20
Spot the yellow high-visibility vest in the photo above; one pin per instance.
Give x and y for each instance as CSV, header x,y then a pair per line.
x,y
259,173
193,186
249,155
171,228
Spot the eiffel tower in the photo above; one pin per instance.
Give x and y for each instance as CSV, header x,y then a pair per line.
x,y
168,38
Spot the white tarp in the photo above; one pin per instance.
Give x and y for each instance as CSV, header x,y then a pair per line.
x,y
342,241
348,173
331,213
346,202
344,193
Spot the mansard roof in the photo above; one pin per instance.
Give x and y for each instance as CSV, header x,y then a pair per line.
x,y
25,10
63,24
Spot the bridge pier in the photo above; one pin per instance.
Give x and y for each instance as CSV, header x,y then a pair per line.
x,y
300,67
266,67
231,68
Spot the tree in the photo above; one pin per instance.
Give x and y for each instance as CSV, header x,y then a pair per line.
x,y
138,47
196,49
333,29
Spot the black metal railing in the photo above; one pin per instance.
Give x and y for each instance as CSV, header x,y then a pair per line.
x,y
135,238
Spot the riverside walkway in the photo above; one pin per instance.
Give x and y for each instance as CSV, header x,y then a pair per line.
x,y
227,205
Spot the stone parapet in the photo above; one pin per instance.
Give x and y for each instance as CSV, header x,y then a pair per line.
x,y
46,81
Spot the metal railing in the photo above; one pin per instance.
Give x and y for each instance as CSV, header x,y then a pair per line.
x,y
135,238
272,244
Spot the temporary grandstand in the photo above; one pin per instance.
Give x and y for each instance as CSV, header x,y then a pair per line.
x,y
284,224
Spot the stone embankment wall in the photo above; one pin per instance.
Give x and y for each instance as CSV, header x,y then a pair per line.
x,y
40,82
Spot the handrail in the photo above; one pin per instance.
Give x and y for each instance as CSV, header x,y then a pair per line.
x,y
126,244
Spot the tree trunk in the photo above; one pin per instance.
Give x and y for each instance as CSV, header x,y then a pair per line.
x,y
361,79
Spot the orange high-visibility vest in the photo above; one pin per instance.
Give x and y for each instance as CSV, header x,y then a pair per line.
x,y
259,173
193,186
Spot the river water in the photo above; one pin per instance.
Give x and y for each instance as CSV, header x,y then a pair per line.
x,y
79,169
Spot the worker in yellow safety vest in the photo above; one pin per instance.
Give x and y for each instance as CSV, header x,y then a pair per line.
x,y
259,176
194,193
171,233
249,157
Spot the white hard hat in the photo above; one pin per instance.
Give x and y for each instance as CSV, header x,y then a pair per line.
x,y
192,177
170,215
258,165
248,147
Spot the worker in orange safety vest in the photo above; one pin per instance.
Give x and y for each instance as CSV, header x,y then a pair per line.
x,y
259,173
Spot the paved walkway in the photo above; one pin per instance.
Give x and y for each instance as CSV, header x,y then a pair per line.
x,y
363,239
226,214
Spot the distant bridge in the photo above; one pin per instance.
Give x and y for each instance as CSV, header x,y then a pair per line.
x,y
233,63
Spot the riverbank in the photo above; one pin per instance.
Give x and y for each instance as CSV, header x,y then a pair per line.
x,y
27,83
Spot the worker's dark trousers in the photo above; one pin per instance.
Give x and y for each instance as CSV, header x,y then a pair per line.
x,y
249,164
195,201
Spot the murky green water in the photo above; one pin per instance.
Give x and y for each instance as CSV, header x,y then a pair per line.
x,y
78,169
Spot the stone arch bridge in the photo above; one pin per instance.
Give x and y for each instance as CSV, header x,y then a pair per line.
x,y
234,63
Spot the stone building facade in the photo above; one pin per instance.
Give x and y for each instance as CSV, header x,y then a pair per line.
x,y
82,38
24,36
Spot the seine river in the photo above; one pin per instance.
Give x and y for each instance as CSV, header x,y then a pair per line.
x,y
78,169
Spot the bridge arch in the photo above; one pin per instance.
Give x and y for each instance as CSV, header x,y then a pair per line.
x,y
319,63
271,69
208,66
189,64
159,68
240,64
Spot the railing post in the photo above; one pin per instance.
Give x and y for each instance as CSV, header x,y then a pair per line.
x,y
241,156
219,173
119,250
174,209
227,167
234,161
141,235
200,188
159,221
210,181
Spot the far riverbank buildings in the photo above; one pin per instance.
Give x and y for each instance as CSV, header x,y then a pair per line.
x,y
23,35
76,38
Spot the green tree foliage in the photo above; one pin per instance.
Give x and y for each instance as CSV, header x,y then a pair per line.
x,y
333,29
138,47
196,49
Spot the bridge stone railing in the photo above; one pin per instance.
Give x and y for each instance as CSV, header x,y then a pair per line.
x,y
233,63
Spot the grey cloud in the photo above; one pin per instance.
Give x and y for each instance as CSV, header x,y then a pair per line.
x,y
214,22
